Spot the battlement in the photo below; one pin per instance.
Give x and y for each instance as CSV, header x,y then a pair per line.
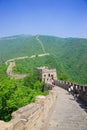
x,y
33,116
45,73
82,90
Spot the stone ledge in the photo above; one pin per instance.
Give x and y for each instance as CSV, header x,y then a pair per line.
x,y
33,116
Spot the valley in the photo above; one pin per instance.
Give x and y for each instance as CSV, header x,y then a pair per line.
x,y
68,54
20,55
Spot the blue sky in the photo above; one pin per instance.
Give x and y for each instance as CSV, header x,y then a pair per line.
x,y
63,18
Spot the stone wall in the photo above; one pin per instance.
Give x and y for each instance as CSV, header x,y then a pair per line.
x,y
82,90
46,74
33,116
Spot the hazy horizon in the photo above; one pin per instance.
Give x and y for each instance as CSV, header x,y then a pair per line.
x,y
61,18
7,36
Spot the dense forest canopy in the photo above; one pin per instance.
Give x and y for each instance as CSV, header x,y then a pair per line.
x,y
16,93
67,55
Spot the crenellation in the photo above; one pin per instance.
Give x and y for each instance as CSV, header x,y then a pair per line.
x,y
82,90
33,116
46,74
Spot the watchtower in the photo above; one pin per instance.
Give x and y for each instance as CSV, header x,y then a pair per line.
x,y
46,74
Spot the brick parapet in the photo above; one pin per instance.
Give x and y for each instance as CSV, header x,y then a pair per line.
x,y
82,90
33,116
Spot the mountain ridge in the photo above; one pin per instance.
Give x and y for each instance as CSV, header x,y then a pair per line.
x,y
68,54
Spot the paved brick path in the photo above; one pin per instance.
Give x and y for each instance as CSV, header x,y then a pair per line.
x,y
68,114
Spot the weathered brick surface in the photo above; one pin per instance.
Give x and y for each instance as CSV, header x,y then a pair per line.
x,y
33,116
46,74
82,90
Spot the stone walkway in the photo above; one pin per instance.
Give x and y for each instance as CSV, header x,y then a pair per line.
x,y
68,114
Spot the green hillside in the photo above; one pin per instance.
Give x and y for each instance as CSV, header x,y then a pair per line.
x,y
68,55
17,46
71,56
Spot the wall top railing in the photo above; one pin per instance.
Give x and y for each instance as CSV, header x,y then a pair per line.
x,y
68,84
82,90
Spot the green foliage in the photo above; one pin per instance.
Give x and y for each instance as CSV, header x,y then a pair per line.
x,y
71,57
63,76
27,65
17,46
17,93
30,80
7,88
67,55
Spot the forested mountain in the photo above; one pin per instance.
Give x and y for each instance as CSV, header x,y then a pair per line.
x,y
16,46
70,54
67,55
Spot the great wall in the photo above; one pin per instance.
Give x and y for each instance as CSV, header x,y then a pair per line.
x,y
11,63
56,111
35,116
